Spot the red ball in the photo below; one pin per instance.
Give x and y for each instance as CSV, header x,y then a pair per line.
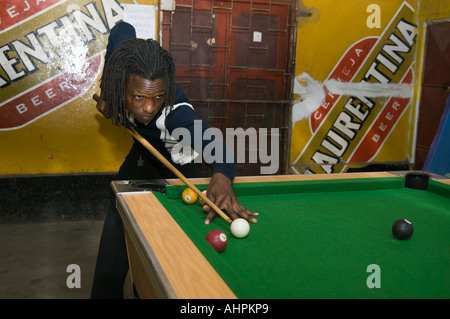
x,y
217,239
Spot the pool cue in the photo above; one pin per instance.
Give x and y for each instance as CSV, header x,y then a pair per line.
x,y
174,170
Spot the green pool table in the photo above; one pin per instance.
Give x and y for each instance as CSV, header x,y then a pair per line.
x,y
317,236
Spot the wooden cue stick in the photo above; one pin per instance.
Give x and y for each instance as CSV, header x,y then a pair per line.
x,y
174,170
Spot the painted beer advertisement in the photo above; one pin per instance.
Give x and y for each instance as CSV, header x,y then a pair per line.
x,y
51,61
358,110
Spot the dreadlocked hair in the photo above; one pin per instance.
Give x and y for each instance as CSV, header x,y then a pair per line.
x,y
144,58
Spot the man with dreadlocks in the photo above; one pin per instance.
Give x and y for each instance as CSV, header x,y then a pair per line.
x,y
139,91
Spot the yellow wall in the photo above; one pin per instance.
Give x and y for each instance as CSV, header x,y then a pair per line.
x,y
433,10
70,138
76,138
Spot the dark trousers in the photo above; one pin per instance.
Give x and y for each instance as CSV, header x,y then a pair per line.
x,y
112,260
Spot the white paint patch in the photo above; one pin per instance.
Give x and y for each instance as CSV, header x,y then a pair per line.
x,y
402,90
311,93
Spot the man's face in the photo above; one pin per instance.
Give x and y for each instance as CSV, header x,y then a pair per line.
x,y
146,97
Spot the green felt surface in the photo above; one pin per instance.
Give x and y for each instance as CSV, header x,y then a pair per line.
x,y
316,239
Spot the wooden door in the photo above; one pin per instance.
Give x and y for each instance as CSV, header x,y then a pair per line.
x,y
235,62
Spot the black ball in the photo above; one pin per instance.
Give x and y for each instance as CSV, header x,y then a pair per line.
x,y
402,229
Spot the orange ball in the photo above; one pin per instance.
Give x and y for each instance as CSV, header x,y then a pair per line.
x,y
201,201
189,196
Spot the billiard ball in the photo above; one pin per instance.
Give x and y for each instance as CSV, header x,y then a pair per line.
x,y
402,229
240,228
201,201
217,239
189,196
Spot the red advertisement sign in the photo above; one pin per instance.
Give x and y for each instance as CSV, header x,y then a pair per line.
x,y
344,71
54,93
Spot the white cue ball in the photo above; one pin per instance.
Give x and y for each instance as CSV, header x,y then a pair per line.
x,y
240,228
